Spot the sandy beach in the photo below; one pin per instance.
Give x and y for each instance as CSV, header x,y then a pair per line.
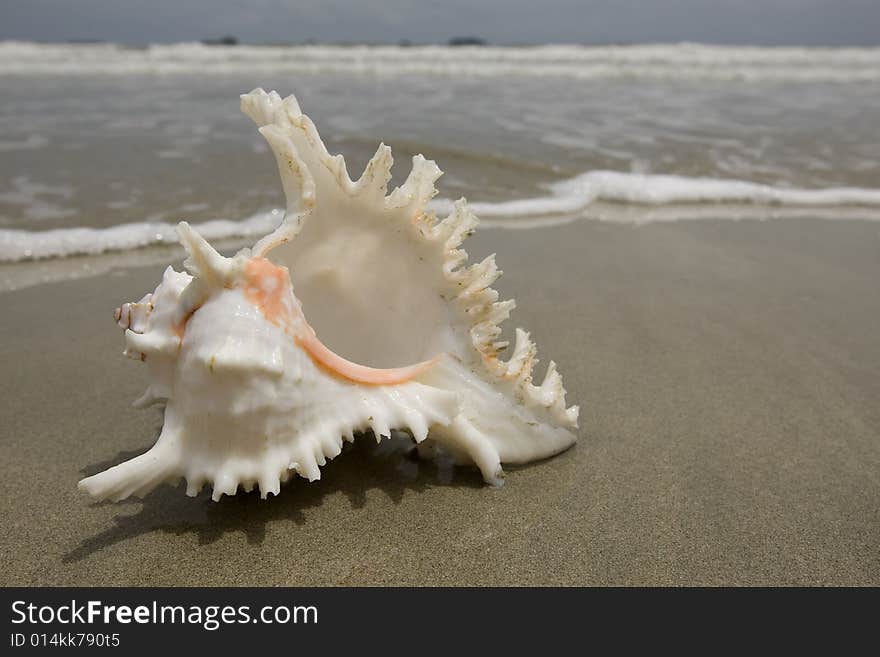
x,y
728,375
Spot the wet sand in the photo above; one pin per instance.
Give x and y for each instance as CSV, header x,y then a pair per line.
x,y
729,379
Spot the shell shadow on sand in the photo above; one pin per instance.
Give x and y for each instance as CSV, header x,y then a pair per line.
x,y
390,466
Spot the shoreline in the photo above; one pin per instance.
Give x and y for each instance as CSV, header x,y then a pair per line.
x,y
20,274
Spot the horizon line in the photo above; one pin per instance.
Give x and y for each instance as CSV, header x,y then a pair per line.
x,y
466,42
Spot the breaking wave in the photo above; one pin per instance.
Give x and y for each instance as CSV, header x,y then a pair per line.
x,y
576,194
17,245
674,61
624,197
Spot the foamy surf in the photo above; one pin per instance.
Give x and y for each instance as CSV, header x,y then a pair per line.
x,y
598,195
17,245
666,61
576,194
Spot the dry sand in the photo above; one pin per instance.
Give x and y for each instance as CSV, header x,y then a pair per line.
x,y
729,378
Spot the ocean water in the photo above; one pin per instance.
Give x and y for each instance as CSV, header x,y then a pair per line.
x,y
106,148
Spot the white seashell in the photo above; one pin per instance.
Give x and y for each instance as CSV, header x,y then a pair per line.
x,y
253,396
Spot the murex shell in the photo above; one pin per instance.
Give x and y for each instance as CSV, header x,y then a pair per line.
x,y
252,395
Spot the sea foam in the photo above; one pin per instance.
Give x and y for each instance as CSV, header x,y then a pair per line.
x,y
667,61
576,194
627,198
17,245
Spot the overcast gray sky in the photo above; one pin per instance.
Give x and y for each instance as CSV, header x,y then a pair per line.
x,y
764,22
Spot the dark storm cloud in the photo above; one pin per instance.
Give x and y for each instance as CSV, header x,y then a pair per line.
x,y
765,22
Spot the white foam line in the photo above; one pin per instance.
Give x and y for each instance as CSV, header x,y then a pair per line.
x,y
16,245
575,194
601,195
579,62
